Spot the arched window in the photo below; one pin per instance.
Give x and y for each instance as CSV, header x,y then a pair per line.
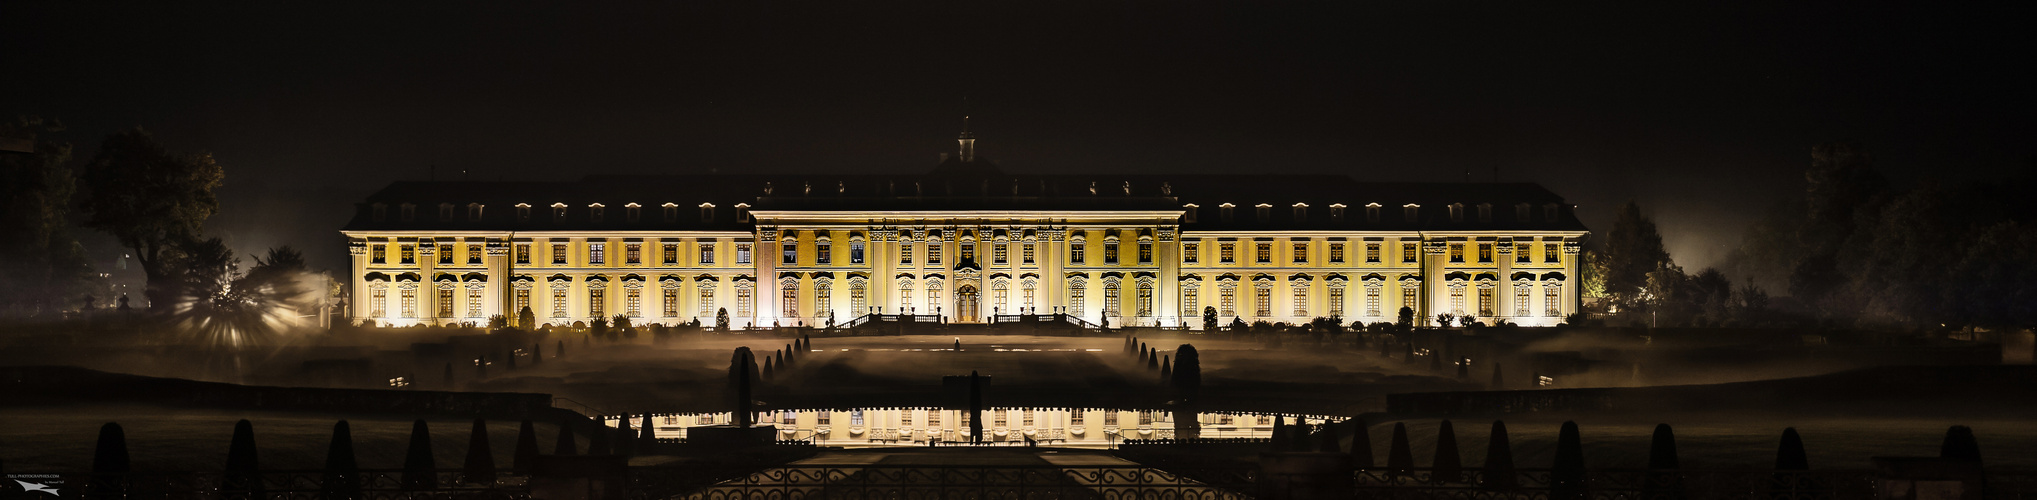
x,y
1144,306
788,294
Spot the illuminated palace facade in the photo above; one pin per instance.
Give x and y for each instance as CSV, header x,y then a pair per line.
x,y
966,242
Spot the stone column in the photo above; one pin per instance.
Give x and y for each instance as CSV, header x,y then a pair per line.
x,y
427,287
1435,292
764,255
1503,303
1167,296
358,293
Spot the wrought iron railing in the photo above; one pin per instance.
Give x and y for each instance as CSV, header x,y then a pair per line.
x,y
940,482
380,484
1612,484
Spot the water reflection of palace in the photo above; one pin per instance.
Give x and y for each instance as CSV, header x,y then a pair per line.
x,y
1088,427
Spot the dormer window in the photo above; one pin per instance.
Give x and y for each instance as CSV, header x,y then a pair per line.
x,y
1225,211
445,212
380,212
1372,213
1549,212
1265,212
1336,212
523,212
1521,212
707,212
1456,212
595,211
671,212
558,212
633,212
1300,212
474,212
743,212
1484,212
1188,213
1412,211
409,212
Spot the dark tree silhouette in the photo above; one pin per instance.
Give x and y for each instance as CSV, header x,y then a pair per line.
x,y
342,472
420,471
742,373
526,448
1662,481
1662,449
1566,475
564,445
537,353
1209,319
479,468
1499,460
151,200
1166,369
647,440
243,469
561,349
1187,372
1361,444
975,407
1790,454
1960,445
598,440
110,455
1399,456
1449,467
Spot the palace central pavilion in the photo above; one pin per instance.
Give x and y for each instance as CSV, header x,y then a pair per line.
x,y
965,242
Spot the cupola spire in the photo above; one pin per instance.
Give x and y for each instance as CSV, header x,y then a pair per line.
x,y
968,141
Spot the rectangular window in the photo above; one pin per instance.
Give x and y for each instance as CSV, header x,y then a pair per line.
x,y
1110,252
1408,253
1372,252
632,253
1146,418
823,253
707,254
558,253
934,252
523,301
1485,253
1372,301
445,303
523,253
1027,254
474,254
790,249
409,303
1485,302
1301,300
1110,418
905,251
998,253
597,302
671,302
1145,252
1521,305
1075,418
933,299
378,303
904,297
1521,253
1076,253
597,253
408,254
1407,296
1227,253
1112,296
1189,306
1263,302
1336,302
745,302
968,251
1188,252
1028,297
633,302
1077,301
670,252
1336,253
1552,299
1550,252
1264,253
474,302
558,302
855,252
378,254
788,298
1457,252
1227,300
1300,252
706,305
446,255
859,299
822,417
742,254
1456,300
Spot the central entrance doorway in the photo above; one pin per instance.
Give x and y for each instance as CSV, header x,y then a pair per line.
x,y
965,304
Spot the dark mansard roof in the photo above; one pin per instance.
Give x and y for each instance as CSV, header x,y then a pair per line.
x,y
965,187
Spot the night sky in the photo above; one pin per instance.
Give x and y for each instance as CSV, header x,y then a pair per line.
x,y
1704,116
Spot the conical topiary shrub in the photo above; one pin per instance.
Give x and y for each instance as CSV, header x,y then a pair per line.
x,y
537,353
479,467
597,441
1662,481
342,473
565,446
1280,434
1400,458
769,371
420,472
1361,445
1449,467
1566,475
1499,460
1790,455
1960,445
110,464
647,437
243,469
526,448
